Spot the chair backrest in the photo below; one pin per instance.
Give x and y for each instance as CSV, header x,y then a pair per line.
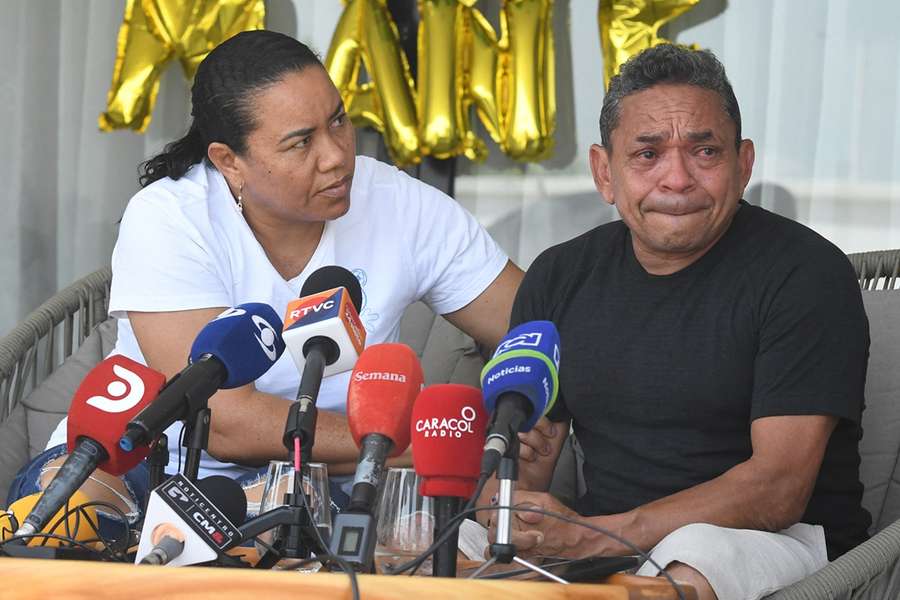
x,y
880,444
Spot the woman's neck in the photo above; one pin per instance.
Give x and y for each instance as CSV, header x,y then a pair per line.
x,y
289,246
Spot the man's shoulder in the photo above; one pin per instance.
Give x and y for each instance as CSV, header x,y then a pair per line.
x,y
582,252
771,241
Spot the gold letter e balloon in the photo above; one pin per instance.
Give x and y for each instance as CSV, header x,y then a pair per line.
x,y
155,31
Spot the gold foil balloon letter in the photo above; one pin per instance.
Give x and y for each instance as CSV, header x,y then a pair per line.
x,y
155,31
462,65
366,35
629,26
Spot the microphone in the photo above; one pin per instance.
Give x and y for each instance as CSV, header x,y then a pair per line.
x,y
72,525
232,350
380,397
448,426
111,394
520,384
188,524
325,336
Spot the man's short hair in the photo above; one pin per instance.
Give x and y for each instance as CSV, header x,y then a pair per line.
x,y
667,63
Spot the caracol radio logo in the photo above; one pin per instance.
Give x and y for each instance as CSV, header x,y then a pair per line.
x,y
124,393
266,338
438,427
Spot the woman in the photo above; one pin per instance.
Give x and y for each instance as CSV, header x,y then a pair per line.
x,y
264,189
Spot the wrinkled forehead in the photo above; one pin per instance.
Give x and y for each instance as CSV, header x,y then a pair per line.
x,y
668,112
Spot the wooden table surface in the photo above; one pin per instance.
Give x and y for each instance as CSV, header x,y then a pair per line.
x,y
62,579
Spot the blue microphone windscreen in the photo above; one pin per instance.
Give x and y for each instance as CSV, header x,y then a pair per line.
x,y
526,362
246,339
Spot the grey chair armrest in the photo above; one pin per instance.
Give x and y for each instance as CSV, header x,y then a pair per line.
x,y
868,571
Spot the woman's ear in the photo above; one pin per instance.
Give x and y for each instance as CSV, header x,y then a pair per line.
x,y
226,162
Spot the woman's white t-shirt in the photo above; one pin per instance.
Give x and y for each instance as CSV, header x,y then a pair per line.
x,y
184,245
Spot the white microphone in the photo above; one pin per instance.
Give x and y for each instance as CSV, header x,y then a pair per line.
x,y
189,524
325,319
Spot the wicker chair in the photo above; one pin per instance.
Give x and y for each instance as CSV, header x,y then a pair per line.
x,y
871,570
49,335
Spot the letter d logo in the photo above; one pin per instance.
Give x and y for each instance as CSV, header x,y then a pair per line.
x,y
125,395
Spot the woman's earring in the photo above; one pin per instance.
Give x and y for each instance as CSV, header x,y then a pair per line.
x,y
240,198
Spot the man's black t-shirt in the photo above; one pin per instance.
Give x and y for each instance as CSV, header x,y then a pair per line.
x,y
663,375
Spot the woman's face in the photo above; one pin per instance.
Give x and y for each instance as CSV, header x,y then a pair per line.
x,y
298,165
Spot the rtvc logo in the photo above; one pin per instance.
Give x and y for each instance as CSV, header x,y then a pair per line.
x,y
124,394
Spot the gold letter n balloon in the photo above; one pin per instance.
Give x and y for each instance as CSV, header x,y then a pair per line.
x,y
155,31
462,65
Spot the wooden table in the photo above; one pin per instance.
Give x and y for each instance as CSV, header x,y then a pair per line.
x,y
63,579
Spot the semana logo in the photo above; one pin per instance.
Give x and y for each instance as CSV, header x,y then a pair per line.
x,y
444,427
266,337
379,376
124,393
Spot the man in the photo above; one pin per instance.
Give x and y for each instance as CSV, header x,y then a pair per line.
x,y
714,354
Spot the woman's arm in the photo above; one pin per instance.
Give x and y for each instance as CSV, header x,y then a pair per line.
x,y
247,424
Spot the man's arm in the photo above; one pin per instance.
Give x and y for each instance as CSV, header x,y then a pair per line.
x,y
768,492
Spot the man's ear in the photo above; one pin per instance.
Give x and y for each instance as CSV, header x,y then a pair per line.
x,y
226,162
746,157
600,169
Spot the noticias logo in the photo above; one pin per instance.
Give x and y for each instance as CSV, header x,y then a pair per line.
x,y
437,427
507,371
379,376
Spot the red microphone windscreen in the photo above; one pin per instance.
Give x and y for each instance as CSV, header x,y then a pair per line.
x,y
114,391
383,386
448,428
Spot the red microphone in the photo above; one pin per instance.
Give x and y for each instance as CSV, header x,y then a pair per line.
x,y
383,387
448,427
113,393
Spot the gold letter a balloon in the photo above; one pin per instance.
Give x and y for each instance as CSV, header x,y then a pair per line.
x,y
155,31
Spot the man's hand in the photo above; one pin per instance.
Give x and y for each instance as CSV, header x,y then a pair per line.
x,y
540,535
538,451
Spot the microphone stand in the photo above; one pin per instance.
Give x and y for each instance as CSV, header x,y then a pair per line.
x,y
196,438
297,535
445,508
503,550
158,460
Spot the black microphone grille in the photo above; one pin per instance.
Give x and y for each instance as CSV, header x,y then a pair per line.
x,y
227,495
330,277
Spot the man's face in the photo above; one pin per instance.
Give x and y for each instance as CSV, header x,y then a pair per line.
x,y
673,173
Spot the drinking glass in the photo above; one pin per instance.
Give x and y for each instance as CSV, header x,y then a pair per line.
x,y
280,480
405,521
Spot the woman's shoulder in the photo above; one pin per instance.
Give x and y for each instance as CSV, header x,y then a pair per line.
x,y
184,199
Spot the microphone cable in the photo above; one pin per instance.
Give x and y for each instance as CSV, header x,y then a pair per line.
x,y
322,558
457,521
108,552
